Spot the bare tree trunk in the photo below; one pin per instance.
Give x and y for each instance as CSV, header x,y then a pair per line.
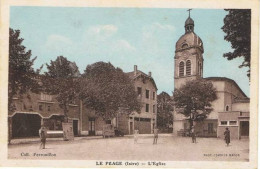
x,y
65,112
191,121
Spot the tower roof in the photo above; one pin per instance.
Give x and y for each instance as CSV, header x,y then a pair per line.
x,y
189,21
189,40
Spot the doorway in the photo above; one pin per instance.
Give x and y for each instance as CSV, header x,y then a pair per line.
x,y
91,126
131,128
244,128
25,125
75,127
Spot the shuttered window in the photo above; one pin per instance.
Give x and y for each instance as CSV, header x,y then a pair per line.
x,y
181,69
188,67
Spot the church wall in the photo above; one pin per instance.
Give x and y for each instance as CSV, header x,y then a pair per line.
x,y
219,85
217,105
228,102
243,107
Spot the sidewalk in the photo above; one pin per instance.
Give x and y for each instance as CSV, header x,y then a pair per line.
x,y
37,139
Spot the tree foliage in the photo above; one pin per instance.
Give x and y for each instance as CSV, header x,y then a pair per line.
x,y
61,80
237,26
106,89
164,110
194,99
22,76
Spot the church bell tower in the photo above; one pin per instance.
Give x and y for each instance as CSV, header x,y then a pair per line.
x,y
188,59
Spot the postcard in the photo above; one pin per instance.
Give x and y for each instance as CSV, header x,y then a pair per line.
x,y
136,84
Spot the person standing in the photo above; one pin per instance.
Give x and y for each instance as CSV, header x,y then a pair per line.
x,y
155,132
193,135
42,133
227,136
136,136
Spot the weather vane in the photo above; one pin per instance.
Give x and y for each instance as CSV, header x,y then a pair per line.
x,y
189,12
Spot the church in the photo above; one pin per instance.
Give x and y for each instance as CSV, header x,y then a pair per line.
x,y
230,110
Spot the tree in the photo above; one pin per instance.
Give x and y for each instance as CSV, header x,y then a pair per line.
x,y
237,26
61,80
22,77
106,89
194,99
164,110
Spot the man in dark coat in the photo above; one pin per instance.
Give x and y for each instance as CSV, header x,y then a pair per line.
x,y
227,136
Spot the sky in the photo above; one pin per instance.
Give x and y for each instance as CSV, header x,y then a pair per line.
x,y
145,37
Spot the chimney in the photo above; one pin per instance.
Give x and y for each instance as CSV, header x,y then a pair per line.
x,y
150,74
135,70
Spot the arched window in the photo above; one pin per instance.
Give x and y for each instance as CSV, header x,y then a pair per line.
x,y
188,67
227,108
185,45
181,69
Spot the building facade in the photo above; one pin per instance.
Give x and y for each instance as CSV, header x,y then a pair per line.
x,y
231,109
32,110
145,121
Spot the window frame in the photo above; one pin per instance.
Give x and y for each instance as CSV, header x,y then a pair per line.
x,y
49,108
139,94
40,107
220,124
233,124
147,94
154,108
147,108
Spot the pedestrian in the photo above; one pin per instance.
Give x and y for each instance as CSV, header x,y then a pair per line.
x,y
136,136
42,133
227,136
193,134
155,132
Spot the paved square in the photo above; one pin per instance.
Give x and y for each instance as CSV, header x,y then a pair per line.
x,y
169,148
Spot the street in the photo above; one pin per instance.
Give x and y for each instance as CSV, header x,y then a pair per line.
x,y
169,148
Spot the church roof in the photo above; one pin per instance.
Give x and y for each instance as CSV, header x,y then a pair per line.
x,y
189,40
227,80
139,73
